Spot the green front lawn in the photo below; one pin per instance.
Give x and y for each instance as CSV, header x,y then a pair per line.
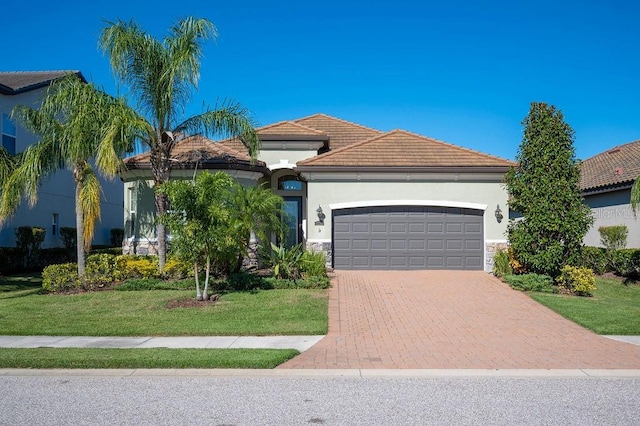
x,y
20,285
147,313
143,358
613,309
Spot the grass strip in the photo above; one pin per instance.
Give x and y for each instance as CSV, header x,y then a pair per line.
x,y
613,309
149,313
46,358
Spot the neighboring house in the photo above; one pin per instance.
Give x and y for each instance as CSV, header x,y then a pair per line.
x,y
368,199
606,181
55,207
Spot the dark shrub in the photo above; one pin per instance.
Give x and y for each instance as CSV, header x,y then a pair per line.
x,y
116,235
595,258
69,236
28,242
531,282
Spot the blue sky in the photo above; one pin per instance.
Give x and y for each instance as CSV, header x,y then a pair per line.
x,y
460,71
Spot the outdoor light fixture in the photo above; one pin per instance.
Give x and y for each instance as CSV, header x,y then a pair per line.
x,y
321,216
499,216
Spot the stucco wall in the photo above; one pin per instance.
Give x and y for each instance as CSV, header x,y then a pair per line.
x,y
275,157
432,192
56,195
609,209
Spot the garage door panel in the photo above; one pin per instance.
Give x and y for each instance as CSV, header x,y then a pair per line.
x,y
360,244
379,227
360,227
417,244
408,237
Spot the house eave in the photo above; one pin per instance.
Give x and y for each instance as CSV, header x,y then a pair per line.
x,y
607,188
403,169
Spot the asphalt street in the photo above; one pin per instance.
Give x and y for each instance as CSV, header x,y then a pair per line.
x,y
171,400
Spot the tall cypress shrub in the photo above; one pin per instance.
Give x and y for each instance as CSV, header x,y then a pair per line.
x,y
545,189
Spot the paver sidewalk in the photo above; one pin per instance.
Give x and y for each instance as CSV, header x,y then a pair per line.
x,y
452,320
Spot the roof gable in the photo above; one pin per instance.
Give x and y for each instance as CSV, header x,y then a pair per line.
x,y
16,82
341,132
196,150
400,148
616,166
288,130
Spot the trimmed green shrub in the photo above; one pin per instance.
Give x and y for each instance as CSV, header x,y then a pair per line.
x,y
28,242
11,260
131,266
61,277
613,237
101,269
176,269
577,280
531,282
501,264
308,283
627,263
69,236
595,258
116,235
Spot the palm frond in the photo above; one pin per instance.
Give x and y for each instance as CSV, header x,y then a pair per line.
x,y
89,201
229,120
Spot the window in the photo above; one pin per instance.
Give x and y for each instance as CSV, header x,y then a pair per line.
x,y
289,183
8,134
54,224
133,206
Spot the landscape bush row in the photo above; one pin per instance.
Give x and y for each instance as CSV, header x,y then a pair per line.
x,y
131,272
577,279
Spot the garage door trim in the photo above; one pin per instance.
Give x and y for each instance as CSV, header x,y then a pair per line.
x,y
425,203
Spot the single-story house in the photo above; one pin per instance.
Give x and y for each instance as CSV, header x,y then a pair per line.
x,y
606,181
369,199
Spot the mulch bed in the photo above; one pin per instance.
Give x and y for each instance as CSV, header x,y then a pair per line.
x,y
192,303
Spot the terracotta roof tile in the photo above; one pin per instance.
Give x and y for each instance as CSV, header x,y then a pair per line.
x,y
289,128
400,148
14,82
618,165
341,132
195,149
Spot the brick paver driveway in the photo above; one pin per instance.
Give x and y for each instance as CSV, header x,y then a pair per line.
x,y
451,319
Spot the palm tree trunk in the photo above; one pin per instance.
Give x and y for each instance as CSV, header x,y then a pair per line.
x,y
161,208
195,270
79,228
205,292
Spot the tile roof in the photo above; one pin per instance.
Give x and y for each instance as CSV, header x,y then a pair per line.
x,y
341,132
15,82
197,150
400,148
616,166
290,129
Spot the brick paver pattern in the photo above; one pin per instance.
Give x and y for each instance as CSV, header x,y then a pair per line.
x,y
451,319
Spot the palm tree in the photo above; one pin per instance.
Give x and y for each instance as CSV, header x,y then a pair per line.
x,y
635,195
72,121
161,76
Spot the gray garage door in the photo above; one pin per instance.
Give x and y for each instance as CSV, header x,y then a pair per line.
x,y
408,237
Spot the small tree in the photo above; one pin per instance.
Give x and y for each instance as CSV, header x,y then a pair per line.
x,y
544,188
211,219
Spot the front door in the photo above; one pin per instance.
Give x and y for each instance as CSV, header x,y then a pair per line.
x,y
292,221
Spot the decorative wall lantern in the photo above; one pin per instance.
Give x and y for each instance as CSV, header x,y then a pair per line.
x,y
498,212
321,216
